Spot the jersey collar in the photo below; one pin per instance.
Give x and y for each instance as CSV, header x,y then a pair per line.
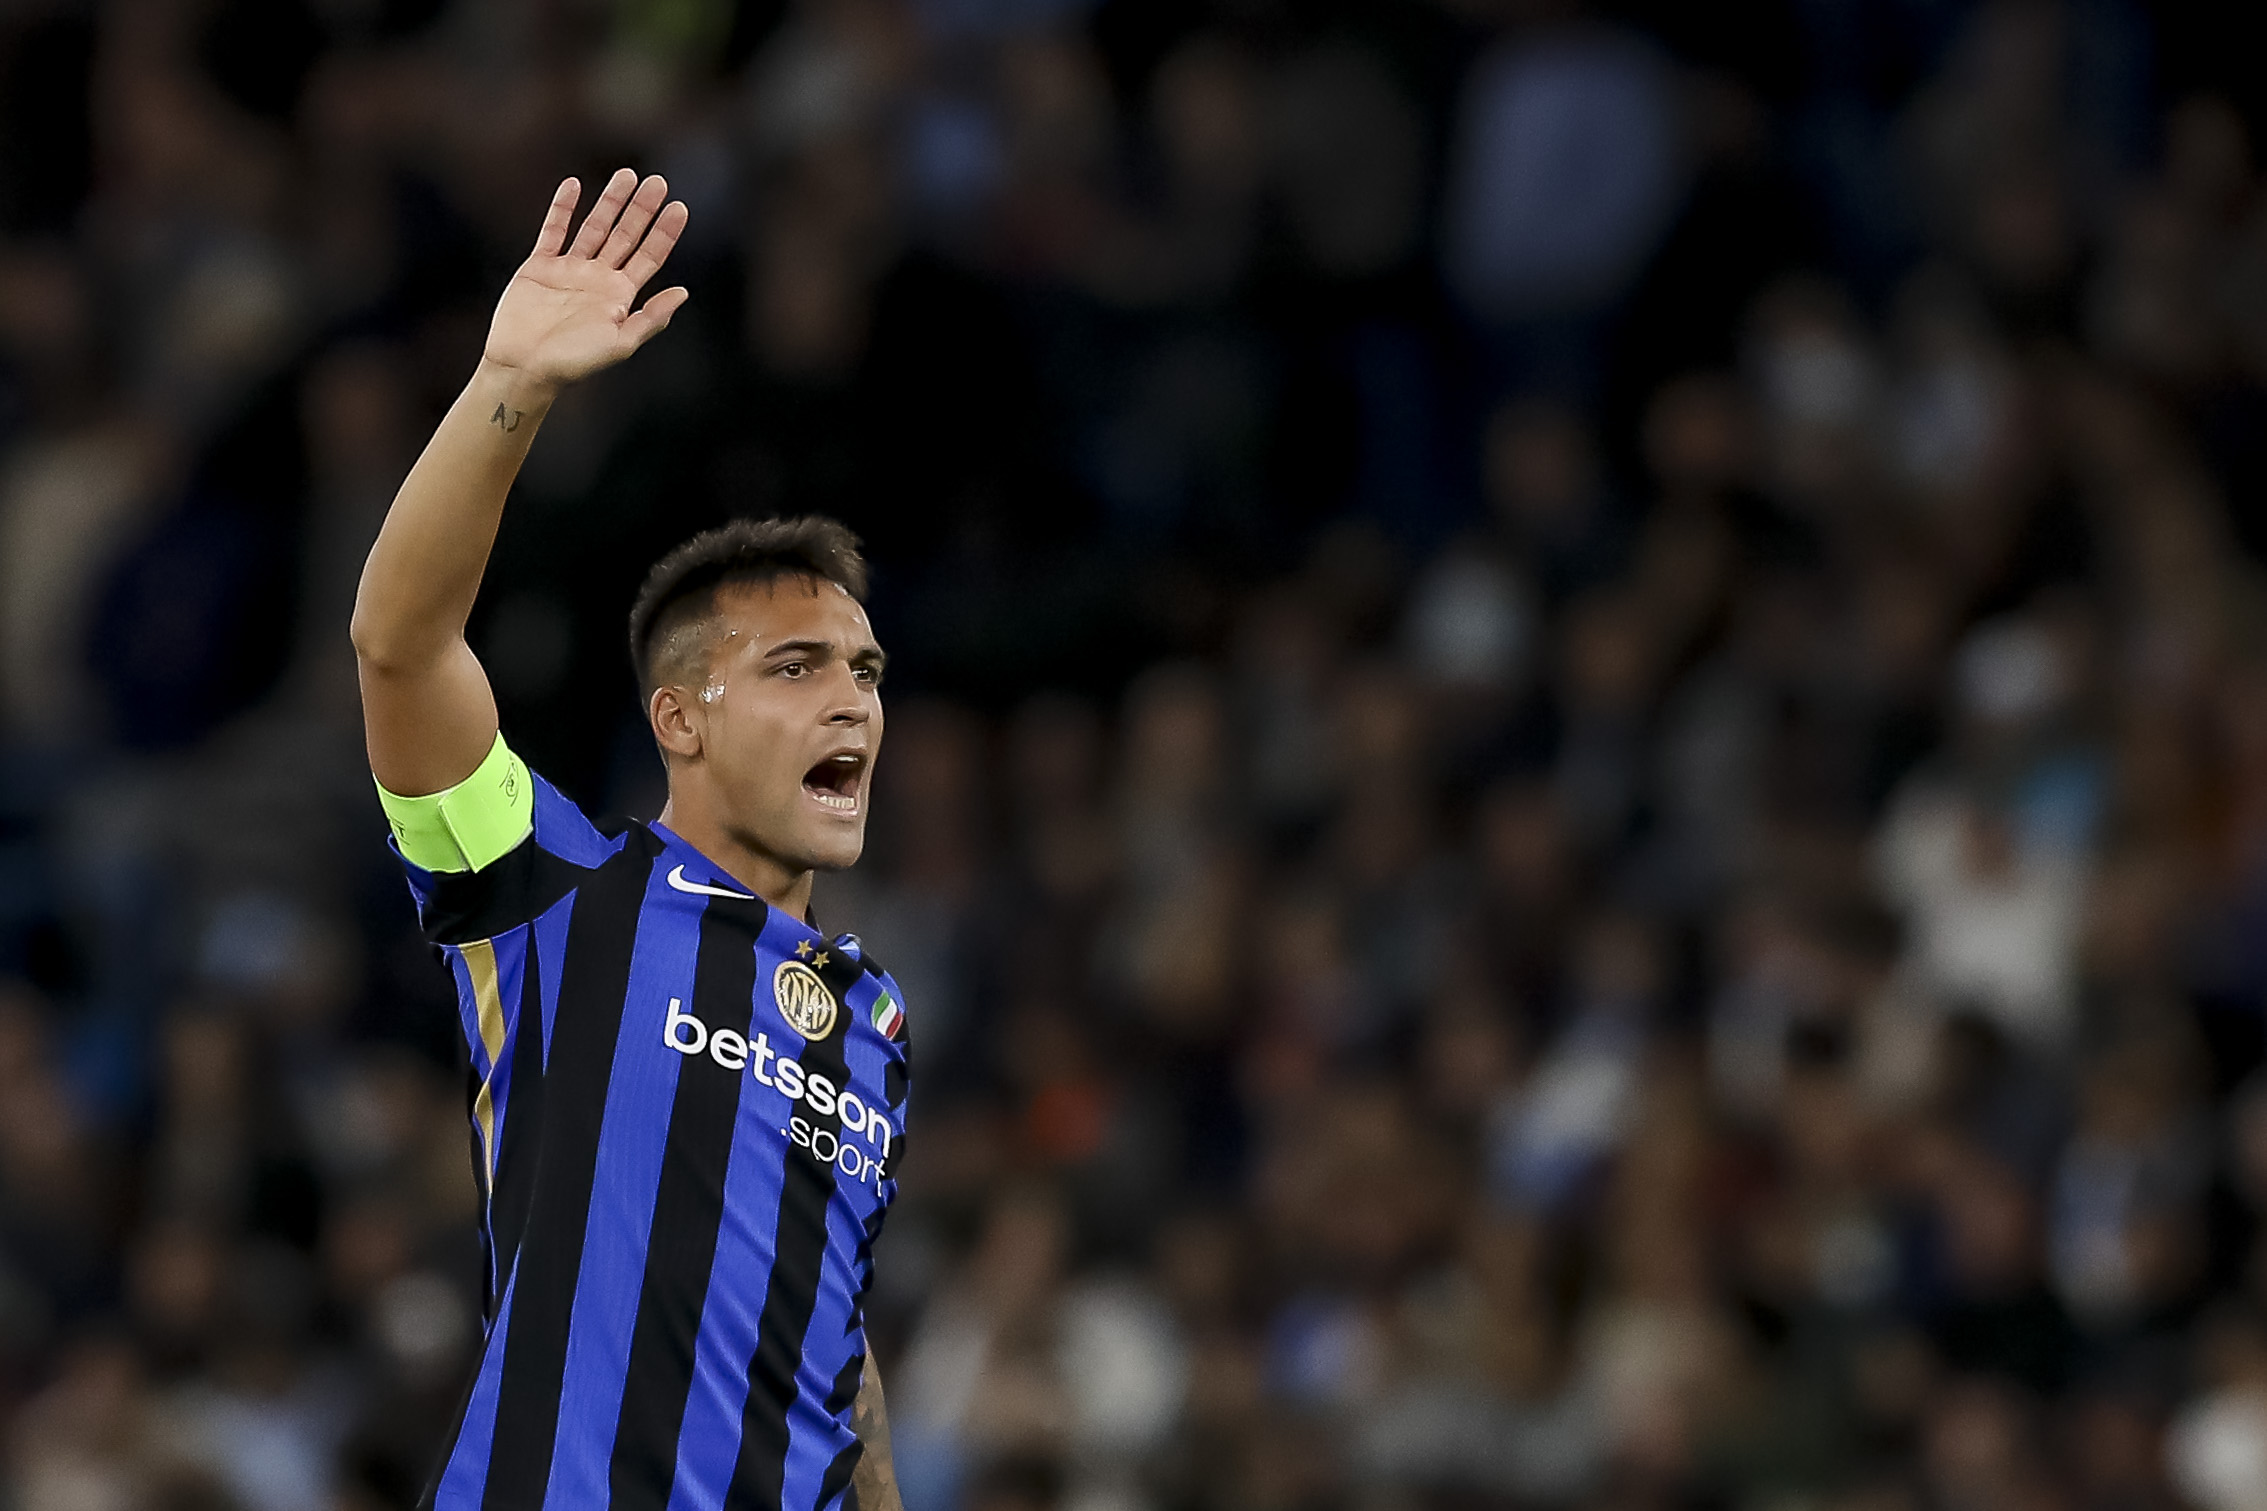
x,y
693,872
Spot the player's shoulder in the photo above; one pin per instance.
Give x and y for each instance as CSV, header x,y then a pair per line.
x,y
851,947
884,1005
564,829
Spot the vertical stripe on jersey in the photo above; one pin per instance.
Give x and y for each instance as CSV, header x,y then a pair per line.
x,y
496,971
708,1444
639,1097
839,1400
594,977
688,1210
488,998
550,938
815,1458
520,1139
837,1478
871,1058
799,1241
463,1470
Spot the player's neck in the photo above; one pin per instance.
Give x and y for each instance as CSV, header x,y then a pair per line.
x,y
770,878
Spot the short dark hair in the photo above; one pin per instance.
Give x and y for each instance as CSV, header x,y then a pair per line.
x,y
682,586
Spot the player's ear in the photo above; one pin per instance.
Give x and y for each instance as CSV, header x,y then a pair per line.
x,y
676,722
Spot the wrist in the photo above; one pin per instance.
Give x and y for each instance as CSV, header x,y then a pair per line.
x,y
514,387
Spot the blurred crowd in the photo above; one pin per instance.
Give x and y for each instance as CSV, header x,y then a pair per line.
x,y
1576,804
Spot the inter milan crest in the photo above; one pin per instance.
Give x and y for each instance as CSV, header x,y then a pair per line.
x,y
803,999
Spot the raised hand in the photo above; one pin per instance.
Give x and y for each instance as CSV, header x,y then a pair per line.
x,y
567,311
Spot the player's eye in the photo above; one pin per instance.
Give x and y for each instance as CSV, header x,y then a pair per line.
x,y
794,669
870,675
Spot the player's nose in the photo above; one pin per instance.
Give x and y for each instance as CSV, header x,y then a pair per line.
x,y
849,704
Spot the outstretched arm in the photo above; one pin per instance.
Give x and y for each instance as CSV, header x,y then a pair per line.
x,y
874,1483
427,713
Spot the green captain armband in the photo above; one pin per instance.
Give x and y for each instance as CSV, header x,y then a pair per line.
x,y
473,824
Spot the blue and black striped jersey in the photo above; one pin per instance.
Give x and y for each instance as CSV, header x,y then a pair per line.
x,y
688,1112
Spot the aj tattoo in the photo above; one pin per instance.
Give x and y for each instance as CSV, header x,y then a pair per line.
x,y
507,420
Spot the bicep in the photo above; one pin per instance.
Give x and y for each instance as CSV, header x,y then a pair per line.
x,y
427,727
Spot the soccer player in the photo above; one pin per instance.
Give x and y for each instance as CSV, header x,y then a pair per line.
x,y
687,1105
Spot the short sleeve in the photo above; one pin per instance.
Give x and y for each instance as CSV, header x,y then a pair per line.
x,y
495,851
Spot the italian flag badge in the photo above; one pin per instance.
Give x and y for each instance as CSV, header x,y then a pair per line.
x,y
888,1016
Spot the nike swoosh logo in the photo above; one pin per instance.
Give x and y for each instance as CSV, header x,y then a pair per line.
x,y
677,880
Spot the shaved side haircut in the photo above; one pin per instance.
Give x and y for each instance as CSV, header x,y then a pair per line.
x,y
676,608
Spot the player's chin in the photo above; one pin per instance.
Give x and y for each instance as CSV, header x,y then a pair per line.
x,y
834,845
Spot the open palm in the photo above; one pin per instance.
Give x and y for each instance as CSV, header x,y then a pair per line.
x,y
568,310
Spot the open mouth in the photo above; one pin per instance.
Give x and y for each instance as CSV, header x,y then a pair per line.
x,y
834,783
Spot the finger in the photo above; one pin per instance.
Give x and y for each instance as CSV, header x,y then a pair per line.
x,y
560,216
659,242
654,318
595,225
636,216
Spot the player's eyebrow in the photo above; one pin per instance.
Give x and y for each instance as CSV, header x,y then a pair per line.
x,y
868,654
821,649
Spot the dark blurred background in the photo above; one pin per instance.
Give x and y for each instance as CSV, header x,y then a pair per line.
x,y
1576,811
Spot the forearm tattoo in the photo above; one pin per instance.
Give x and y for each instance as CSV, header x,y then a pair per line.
x,y
507,420
874,1482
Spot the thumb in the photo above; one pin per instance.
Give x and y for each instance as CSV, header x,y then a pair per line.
x,y
654,317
